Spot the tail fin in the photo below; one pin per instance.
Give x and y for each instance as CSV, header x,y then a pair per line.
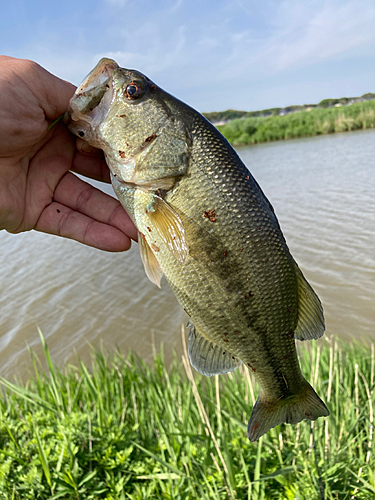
x,y
306,404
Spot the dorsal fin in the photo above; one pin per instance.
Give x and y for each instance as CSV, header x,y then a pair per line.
x,y
310,312
169,225
150,263
208,358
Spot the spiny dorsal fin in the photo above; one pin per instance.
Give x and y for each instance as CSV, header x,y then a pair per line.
x,y
169,225
208,358
150,263
310,312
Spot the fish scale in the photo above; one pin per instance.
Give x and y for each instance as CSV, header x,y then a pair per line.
x,y
205,224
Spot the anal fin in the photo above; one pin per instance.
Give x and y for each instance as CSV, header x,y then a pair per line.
x,y
208,358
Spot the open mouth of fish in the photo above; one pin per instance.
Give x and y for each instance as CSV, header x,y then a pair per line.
x,y
93,98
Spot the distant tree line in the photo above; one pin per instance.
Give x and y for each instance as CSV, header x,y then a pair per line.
x,y
320,120
233,114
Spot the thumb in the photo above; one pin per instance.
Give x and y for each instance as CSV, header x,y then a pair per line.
x,y
52,93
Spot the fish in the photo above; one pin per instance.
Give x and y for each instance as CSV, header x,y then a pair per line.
x,y
206,225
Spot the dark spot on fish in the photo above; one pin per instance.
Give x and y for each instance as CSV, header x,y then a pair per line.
x,y
151,138
291,310
255,426
226,340
241,250
233,357
308,415
288,355
58,211
153,87
154,247
121,116
291,334
245,296
121,154
225,252
247,177
259,228
81,134
107,86
237,331
149,229
225,334
223,353
249,365
210,215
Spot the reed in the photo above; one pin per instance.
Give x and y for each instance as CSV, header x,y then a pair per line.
x,y
122,429
317,121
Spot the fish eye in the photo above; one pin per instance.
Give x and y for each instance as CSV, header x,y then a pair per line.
x,y
134,91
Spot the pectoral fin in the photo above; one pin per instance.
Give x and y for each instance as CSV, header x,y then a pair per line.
x,y
208,358
310,312
150,263
169,225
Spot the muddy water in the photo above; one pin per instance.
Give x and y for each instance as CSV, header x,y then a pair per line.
x,y
323,192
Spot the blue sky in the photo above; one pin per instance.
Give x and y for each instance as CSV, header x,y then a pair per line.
x,y
214,54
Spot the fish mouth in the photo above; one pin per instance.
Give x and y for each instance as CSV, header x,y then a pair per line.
x,y
92,99
102,72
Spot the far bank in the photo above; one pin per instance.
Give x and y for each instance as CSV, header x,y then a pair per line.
x,y
247,131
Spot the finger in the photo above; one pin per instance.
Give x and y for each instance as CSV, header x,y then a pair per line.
x,y
92,166
90,201
85,148
62,221
52,92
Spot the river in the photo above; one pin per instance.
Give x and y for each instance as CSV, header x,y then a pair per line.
x,y
323,192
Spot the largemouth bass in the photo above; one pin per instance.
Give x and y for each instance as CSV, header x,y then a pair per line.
x,y
205,224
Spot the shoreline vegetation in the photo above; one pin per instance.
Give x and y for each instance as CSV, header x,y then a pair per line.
x,y
121,429
306,123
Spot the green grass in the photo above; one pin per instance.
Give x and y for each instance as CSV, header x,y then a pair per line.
x,y
121,429
301,124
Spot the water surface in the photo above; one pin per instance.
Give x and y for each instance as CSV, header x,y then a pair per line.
x,y
323,192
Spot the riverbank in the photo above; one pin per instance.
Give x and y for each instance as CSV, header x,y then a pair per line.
x,y
121,429
317,121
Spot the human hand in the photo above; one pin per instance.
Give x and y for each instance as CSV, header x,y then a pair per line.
x,y
37,188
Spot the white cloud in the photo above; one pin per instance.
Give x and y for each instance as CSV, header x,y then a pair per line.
x,y
321,34
303,34
195,52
